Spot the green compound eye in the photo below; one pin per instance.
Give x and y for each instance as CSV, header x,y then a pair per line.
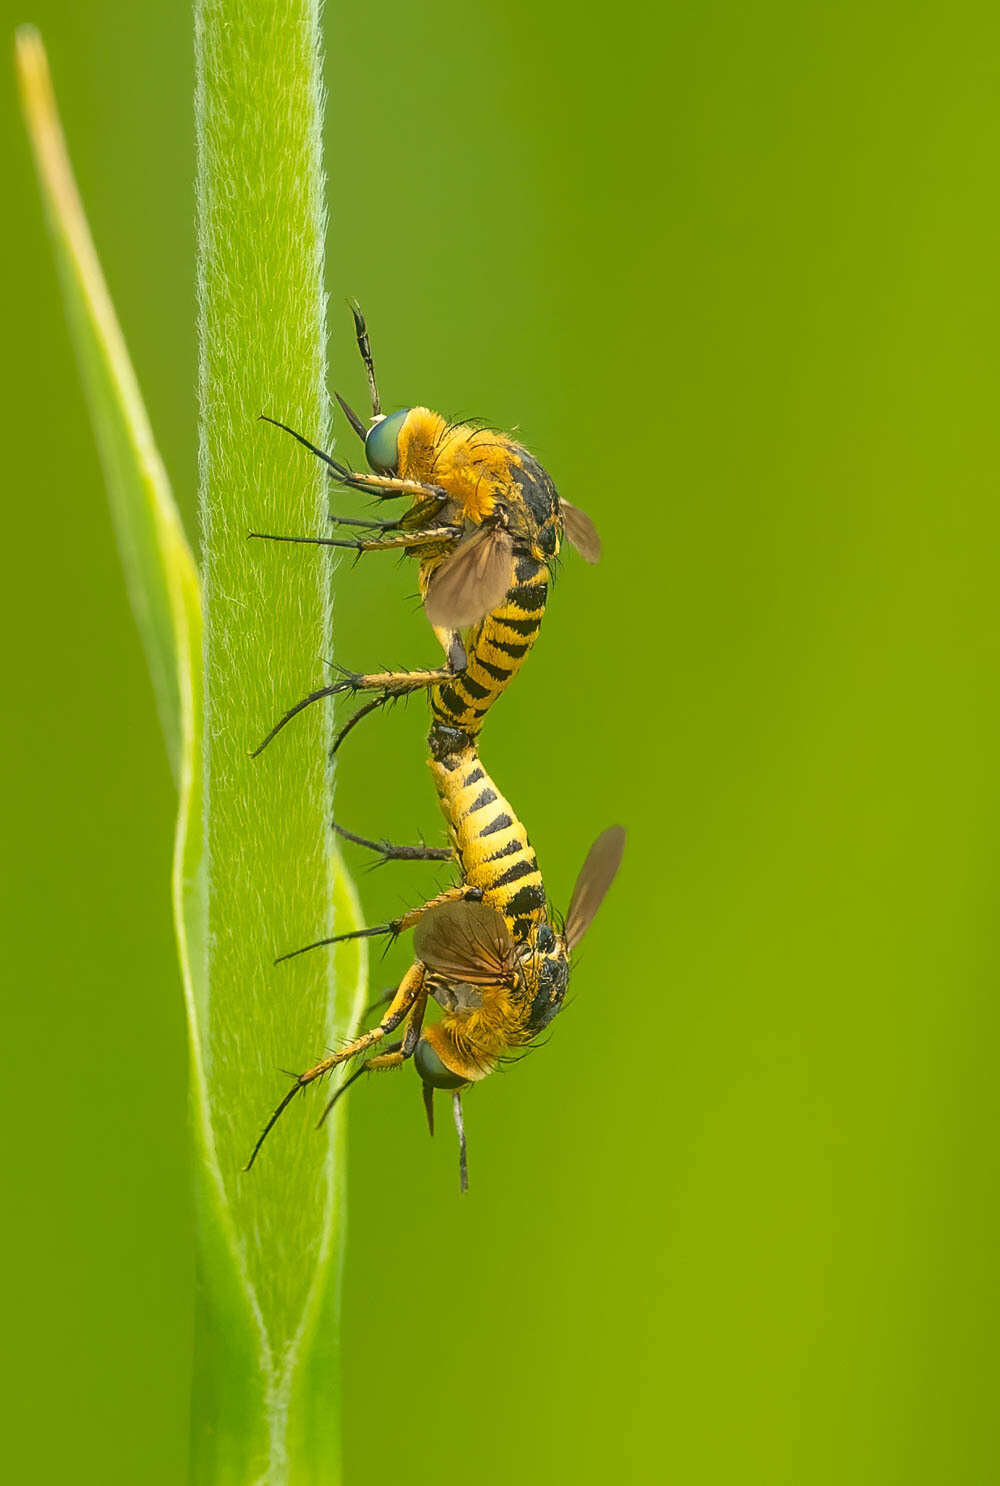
x,y
433,1071
381,443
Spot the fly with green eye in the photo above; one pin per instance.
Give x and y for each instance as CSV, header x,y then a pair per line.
x,y
485,522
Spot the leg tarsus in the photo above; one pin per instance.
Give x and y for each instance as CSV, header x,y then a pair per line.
x,y
399,540
356,717
392,683
307,701
390,853
396,926
370,1065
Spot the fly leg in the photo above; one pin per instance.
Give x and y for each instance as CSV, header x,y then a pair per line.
x,y
390,853
451,642
411,989
428,509
393,1057
391,685
384,543
395,926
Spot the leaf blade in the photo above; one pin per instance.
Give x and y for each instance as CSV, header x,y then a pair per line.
x,y
159,568
263,1403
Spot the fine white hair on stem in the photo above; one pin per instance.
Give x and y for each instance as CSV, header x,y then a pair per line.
x,y
252,855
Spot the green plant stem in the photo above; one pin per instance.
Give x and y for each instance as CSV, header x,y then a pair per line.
x,y
265,1405
253,867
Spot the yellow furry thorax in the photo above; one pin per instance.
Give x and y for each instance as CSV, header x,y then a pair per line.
x,y
473,1043
472,464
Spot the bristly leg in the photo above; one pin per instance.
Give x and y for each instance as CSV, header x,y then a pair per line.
x,y
394,683
390,853
356,717
395,926
393,1056
410,989
393,1050
393,543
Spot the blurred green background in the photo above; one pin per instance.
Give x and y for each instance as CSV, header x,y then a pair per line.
x,y
733,273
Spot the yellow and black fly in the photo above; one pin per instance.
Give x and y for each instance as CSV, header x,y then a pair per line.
x,y
490,950
486,523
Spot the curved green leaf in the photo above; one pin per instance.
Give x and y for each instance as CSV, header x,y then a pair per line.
x,y
159,568
253,869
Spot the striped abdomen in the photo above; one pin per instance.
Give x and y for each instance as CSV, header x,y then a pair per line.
x,y
497,647
491,844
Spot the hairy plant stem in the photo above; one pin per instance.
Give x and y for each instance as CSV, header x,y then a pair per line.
x,y
265,1390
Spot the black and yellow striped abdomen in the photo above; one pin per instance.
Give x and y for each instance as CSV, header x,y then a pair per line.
x,y
497,648
491,844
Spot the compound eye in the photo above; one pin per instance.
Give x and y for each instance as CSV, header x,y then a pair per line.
x,y
382,443
432,1070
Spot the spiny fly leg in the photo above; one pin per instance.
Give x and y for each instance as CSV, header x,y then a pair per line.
x,y
410,990
393,1056
391,683
395,926
390,853
402,539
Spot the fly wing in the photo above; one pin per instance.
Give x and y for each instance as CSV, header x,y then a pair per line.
x,y
581,531
467,942
472,580
596,876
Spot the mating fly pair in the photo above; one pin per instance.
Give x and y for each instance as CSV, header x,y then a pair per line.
x,y
487,523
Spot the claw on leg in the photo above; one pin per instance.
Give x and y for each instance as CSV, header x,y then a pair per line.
x,y
392,683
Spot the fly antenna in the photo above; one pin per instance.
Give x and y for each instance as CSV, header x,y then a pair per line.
x,y
364,346
463,1150
352,417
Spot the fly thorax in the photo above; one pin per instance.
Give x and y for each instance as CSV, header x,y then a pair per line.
x,y
541,503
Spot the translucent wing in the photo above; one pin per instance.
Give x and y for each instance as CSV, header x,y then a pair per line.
x,y
596,876
465,942
581,531
472,580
